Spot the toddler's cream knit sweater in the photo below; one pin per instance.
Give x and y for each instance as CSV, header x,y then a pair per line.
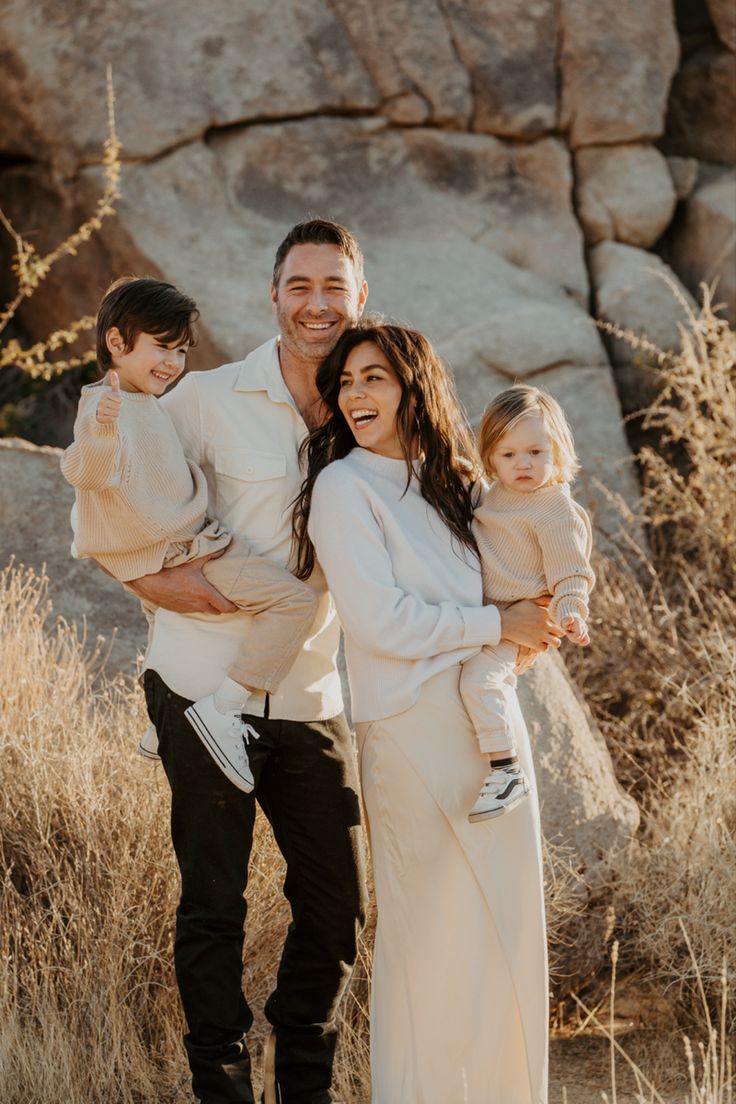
x,y
534,543
140,502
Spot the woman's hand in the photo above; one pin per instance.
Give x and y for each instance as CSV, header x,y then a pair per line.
x,y
529,625
183,589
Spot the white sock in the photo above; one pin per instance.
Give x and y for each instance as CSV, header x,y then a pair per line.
x,y
230,697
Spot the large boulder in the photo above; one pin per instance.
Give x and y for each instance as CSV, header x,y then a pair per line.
x,y
509,51
616,64
459,63
637,291
723,14
703,246
625,193
702,107
179,70
407,50
684,172
210,214
583,807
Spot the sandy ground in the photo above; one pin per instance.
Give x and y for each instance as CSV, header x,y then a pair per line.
x,y
579,1074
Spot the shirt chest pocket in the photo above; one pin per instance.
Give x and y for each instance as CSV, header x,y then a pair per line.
x,y
252,494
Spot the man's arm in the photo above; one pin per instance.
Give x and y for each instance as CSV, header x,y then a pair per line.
x,y
183,589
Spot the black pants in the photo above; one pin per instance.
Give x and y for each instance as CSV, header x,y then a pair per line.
x,y
306,784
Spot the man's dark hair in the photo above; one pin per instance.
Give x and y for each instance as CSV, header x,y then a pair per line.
x,y
320,232
140,304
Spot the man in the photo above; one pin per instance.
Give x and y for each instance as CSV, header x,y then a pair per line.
x,y
243,424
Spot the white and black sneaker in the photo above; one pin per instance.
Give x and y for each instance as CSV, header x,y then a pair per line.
x,y
225,736
502,790
148,745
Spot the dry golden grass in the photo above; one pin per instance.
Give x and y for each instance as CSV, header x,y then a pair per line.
x,y
89,1012
663,687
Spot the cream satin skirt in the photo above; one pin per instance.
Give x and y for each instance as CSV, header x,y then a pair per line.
x,y
459,1006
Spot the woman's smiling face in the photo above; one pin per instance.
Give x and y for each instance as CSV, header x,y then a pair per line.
x,y
369,399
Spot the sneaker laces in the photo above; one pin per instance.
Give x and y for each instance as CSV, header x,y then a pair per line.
x,y
501,779
239,727
248,731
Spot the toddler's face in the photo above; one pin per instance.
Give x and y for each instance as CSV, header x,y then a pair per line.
x,y
523,459
150,366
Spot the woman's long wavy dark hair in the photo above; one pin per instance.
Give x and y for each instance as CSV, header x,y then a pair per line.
x,y
429,415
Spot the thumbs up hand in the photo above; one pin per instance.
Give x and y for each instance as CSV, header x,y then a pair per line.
x,y
108,408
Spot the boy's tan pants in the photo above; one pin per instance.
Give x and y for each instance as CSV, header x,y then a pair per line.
x,y
284,609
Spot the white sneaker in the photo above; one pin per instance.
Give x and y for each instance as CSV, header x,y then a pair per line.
x,y
502,790
148,744
225,736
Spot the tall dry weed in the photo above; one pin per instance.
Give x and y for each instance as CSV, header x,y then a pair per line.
x,y
88,890
662,683
30,269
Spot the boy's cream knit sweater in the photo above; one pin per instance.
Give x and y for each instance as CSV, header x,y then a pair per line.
x,y
140,502
534,543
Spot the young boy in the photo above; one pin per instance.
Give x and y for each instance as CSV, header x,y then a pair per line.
x,y
533,539
141,506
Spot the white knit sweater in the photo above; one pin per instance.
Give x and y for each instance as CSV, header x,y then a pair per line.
x,y
409,596
139,502
535,543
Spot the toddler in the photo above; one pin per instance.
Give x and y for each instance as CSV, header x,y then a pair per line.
x,y
141,506
533,540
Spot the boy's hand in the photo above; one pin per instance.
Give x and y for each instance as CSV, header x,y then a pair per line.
x,y
108,408
525,660
576,630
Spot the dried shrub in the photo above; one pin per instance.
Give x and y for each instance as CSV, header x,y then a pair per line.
x,y
661,683
30,270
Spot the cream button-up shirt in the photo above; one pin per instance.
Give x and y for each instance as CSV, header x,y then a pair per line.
x,y
242,427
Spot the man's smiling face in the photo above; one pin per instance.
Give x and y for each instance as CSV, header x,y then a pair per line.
x,y
318,296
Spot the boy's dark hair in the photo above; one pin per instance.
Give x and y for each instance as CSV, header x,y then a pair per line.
x,y
140,304
320,232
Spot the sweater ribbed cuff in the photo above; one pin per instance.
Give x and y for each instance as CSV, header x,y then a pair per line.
x,y
482,626
103,429
569,606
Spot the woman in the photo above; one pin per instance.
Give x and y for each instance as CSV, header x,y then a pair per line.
x,y
459,1002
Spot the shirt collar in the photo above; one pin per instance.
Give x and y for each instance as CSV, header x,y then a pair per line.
x,y
261,371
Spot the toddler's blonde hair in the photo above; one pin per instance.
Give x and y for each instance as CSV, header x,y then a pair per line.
x,y
509,408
